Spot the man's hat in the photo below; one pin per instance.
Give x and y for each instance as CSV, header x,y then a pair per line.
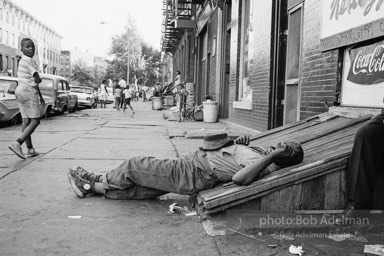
x,y
216,141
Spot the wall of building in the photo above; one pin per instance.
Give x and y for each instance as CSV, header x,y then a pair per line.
x,y
319,70
16,24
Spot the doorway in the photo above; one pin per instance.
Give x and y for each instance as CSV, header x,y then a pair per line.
x,y
292,81
226,53
278,59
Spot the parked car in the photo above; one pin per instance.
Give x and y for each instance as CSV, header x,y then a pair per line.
x,y
9,110
85,95
57,87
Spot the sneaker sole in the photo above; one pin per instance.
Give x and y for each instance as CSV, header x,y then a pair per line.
x,y
16,153
29,156
73,185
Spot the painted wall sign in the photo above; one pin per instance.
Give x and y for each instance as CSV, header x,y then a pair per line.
x,y
346,22
363,76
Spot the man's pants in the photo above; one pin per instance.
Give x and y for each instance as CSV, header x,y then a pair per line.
x,y
148,177
365,173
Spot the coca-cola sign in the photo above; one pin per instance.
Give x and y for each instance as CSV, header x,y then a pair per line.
x,y
367,64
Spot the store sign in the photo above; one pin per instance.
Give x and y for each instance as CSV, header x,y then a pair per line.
x,y
346,22
363,83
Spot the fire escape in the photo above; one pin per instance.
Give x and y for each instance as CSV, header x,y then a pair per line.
x,y
178,15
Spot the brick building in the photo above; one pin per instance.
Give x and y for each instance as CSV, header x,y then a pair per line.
x,y
16,24
274,62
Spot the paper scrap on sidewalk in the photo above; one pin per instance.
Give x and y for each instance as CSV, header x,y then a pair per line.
x,y
74,217
339,237
282,237
297,250
214,228
174,208
377,249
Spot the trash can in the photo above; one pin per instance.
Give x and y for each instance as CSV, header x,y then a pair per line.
x,y
210,111
157,103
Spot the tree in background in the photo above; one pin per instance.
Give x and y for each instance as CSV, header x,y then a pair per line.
x,y
81,74
143,60
148,72
125,46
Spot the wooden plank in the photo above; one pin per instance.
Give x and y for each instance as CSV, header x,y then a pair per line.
x,y
264,203
285,197
295,203
333,129
312,194
332,191
343,190
296,125
273,198
263,196
265,185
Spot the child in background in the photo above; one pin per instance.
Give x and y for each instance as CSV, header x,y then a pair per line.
x,y
118,92
29,99
127,101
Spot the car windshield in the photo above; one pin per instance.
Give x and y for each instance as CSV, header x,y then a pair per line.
x,y
5,84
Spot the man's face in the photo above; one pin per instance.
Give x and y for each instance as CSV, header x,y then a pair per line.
x,y
274,147
28,48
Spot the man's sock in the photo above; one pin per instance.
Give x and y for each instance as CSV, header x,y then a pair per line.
x,y
19,141
99,188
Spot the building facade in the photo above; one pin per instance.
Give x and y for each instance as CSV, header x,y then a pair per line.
x,y
274,62
16,24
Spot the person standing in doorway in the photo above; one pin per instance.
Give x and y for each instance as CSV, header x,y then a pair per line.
x,y
103,94
29,99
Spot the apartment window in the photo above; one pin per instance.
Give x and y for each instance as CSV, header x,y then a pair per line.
x,y
1,62
1,14
13,40
7,37
6,62
7,17
18,23
23,26
1,35
13,20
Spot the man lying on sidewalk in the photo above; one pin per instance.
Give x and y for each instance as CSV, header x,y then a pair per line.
x,y
220,160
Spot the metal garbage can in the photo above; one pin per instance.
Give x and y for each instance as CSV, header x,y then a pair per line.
x,y
210,111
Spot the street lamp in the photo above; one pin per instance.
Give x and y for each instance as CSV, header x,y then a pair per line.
x,y
127,44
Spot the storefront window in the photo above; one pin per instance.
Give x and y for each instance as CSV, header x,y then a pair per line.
x,y
245,89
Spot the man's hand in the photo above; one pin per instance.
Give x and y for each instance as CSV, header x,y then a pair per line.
x,y
244,139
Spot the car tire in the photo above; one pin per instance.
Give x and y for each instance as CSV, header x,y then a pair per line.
x,y
47,113
74,109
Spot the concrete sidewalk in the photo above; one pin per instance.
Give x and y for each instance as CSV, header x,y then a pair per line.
x,y
41,215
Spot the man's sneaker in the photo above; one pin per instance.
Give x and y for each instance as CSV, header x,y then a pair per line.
x,y
32,153
84,174
16,148
81,186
